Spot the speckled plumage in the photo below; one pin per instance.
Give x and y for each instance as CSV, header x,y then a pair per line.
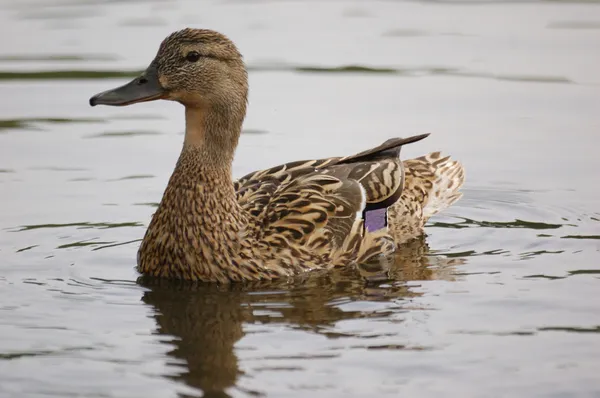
x,y
281,221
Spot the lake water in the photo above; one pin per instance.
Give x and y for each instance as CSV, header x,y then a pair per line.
x,y
501,300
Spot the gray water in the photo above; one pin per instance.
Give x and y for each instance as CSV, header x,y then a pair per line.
x,y
501,300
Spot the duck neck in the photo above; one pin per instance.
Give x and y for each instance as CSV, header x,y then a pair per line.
x,y
213,135
199,224
204,164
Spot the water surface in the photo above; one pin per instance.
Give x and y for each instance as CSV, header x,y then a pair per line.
x,y
501,300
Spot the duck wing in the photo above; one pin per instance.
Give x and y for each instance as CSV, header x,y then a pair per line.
x,y
378,170
321,203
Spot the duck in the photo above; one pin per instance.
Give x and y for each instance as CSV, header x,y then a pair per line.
x,y
280,222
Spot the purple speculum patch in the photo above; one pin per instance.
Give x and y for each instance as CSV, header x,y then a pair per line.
x,y
376,219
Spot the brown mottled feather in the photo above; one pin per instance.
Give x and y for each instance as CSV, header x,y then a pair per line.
x,y
378,170
278,222
432,184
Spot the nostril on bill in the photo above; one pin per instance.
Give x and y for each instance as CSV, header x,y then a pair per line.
x,y
142,80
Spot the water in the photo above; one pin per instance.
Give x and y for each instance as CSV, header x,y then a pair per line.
x,y
501,300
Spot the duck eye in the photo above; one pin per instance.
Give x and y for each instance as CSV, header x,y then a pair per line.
x,y
192,56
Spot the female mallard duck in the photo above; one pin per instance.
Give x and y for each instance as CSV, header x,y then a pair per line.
x,y
279,222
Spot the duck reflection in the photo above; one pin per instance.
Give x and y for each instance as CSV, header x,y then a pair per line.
x,y
207,320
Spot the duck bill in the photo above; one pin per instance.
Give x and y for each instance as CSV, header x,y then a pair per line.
x,y
144,88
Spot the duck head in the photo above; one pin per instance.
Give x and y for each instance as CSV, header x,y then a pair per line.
x,y
199,68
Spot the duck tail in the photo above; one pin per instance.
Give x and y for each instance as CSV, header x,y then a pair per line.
x,y
431,184
441,177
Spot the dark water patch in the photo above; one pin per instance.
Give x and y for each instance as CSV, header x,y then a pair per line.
x,y
585,272
469,223
116,244
28,354
151,204
342,69
133,177
528,255
395,347
119,134
523,333
569,273
542,276
570,329
45,328
277,369
532,78
476,273
580,237
30,281
574,25
338,335
34,123
495,252
117,282
83,243
473,253
75,282
81,179
467,253
347,69
300,357
24,249
57,58
6,171
67,75
254,131
79,225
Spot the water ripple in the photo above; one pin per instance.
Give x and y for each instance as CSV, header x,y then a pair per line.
x,y
80,225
